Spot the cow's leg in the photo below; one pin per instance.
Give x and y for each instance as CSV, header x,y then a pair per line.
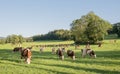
x,y
95,56
28,60
62,57
25,59
73,58
84,53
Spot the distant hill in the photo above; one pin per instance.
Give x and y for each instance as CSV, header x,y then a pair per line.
x,y
2,37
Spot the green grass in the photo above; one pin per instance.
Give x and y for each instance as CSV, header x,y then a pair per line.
x,y
107,61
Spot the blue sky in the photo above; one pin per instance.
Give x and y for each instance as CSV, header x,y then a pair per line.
x,y
32,17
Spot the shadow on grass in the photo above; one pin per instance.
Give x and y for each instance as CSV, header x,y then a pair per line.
x,y
34,67
83,68
103,58
8,55
44,55
109,54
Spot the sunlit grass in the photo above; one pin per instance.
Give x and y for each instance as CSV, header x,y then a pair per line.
x,y
107,61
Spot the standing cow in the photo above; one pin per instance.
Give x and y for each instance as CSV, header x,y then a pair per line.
x,y
71,54
41,49
90,52
59,52
26,54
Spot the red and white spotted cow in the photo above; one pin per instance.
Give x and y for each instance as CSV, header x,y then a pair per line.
x,y
90,52
26,54
60,53
71,54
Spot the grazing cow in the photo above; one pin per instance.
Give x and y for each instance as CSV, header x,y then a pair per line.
x,y
26,54
17,49
53,50
41,49
90,52
60,54
71,54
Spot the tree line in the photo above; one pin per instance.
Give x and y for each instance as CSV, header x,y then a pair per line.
x,y
60,34
15,39
89,28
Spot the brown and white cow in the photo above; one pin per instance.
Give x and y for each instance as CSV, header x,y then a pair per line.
x,y
59,52
26,54
71,54
89,52
16,49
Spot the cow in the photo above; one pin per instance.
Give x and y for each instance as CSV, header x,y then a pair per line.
x,y
90,52
71,54
17,49
59,52
41,49
53,50
26,54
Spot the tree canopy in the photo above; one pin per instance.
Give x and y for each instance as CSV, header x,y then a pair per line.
x,y
15,39
90,28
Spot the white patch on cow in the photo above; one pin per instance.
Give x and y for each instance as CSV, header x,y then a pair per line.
x,y
95,56
62,57
28,49
73,57
28,60
89,51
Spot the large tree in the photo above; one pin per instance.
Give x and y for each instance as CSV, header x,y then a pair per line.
x,y
15,39
90,28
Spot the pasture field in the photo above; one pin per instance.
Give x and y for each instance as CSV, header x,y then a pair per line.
x,y
107,61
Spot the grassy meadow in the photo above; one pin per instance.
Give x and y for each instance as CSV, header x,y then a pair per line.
x,y
107,61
